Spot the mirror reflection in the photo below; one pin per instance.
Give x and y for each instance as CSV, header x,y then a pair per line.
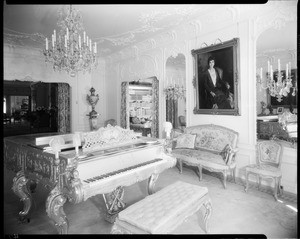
x,y
276,52
32,107
175,91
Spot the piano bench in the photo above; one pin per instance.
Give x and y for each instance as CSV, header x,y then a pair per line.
x,y
163,211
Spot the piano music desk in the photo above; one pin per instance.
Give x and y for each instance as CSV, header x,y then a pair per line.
x,y
163,211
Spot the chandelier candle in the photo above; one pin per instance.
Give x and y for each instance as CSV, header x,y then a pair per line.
x,y
283,85
68,53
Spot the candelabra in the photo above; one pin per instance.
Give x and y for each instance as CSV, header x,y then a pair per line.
x,y
174,91
280,88
67,52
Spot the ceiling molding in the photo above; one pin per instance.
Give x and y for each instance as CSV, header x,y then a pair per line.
x,y
277,18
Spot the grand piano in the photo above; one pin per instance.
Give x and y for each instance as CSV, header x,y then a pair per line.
x,y
78,166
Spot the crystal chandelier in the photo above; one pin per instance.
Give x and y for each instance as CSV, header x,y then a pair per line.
x,y
280,88
175,92
71,49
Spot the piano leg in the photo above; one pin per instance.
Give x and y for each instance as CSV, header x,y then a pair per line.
x,y
21,190
54,209
151,183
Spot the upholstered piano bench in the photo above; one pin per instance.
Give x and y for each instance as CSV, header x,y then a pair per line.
x,y
163,211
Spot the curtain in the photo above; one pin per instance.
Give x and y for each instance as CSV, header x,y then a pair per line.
x,y
172,112
63,105
124,104
155,100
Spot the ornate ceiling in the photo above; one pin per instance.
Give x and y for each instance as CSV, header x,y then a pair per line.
x,y
112,27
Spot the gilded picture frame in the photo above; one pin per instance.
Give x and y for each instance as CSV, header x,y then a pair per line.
x,y
226,64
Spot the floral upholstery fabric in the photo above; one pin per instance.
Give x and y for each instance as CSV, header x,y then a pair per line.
x,y
196,156
264,169
186,141
215,149
212,137
269,152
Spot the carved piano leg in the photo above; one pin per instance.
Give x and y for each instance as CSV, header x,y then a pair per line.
x,y
21,190
114,204
54,209
151,183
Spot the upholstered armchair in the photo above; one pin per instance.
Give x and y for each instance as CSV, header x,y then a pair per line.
x,y
268,163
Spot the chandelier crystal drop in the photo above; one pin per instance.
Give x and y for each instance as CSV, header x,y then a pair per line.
x,y
71,50
280,88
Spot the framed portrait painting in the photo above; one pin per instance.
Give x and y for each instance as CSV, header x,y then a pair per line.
x,y
216,79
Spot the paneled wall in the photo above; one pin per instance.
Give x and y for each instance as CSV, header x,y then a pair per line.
x,y
148,59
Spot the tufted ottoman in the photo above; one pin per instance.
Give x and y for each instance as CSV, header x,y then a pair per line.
x,y
163,211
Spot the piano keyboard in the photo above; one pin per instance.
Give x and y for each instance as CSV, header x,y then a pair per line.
x,y
90,180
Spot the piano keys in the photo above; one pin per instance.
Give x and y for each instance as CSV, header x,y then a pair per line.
x,y
78,174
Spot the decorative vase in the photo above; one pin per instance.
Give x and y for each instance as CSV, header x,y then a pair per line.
x,y
93,115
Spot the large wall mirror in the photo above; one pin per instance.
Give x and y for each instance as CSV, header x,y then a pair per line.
x,y
35,107
279,48
276,51
175,85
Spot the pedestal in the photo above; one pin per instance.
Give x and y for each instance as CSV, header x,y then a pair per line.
x,y
94,123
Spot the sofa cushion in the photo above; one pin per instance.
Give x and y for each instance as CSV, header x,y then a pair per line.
x,y
206,158
225,153
185,141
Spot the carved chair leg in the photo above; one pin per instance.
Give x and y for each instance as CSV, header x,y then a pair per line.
x,y
20,188
259,181
233,174
224,178
247,181
200,172
54,209
279,187
180,165
276,185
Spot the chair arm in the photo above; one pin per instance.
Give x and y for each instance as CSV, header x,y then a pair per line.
x,y
232,153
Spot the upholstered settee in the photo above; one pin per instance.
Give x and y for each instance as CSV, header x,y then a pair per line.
x,y
207,146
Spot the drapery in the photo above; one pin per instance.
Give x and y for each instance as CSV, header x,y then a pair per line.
x,y
172,112
124,104
63,105
155,100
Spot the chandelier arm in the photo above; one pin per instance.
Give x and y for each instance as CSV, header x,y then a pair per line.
x,y
73,51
